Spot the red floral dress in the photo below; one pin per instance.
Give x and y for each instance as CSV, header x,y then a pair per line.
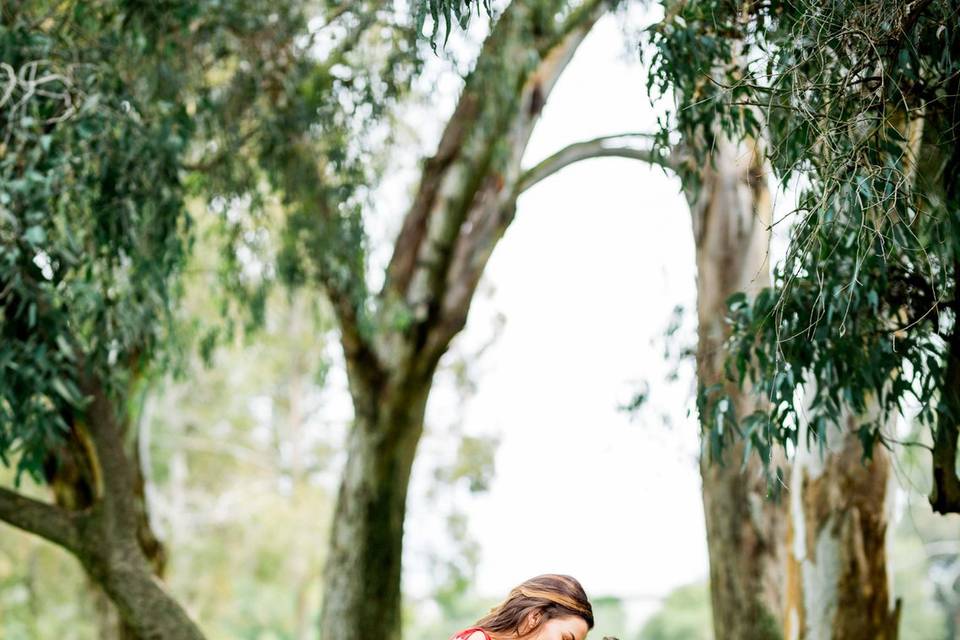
x,y
466,633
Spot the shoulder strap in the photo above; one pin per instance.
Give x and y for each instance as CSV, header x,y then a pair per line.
x,y
466,633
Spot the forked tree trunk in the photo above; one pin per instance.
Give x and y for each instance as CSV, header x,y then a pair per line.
x,y
745,528
839,586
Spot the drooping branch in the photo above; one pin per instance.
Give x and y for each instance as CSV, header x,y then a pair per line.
x,y
945,495
603,147
39,518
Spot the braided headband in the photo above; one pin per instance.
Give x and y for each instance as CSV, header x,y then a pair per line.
x,y
555,598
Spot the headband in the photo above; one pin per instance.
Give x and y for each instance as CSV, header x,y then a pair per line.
x,y
555,598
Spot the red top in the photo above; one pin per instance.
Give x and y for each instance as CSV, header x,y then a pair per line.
x,y
466,633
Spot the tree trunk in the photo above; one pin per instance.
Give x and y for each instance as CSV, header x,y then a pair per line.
x,y
71,475
362,582
745,528
840,508
114,541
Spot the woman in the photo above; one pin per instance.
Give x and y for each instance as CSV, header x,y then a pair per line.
x,y
548,607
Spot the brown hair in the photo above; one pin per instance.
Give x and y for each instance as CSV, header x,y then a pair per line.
x,y
553,596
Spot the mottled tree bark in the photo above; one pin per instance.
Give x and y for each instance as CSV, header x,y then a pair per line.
x,y
70,473
745,528
840,588
465,201
363,567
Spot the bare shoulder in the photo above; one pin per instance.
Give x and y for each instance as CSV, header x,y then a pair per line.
x,y
476,635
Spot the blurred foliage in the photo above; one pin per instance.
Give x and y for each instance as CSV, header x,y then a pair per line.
x,y
43,592
445,13
236,455
684,615
925,550
112,113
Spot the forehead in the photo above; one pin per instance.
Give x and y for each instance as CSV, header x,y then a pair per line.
x,y
570,624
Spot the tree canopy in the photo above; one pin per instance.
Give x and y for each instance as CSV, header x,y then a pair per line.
x,y
857,104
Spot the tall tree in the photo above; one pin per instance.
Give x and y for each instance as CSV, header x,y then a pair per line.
x,y
90,249
726,181
862,308
746,527
98,106
393,341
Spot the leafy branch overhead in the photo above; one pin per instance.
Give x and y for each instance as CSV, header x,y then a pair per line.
x,y
446,13
858,104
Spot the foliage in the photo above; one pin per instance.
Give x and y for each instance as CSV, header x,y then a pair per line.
x,y
235,455
858,101
685,615
92,223
107,126
446,12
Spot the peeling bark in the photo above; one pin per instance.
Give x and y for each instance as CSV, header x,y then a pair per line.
x,y
840,512
745,529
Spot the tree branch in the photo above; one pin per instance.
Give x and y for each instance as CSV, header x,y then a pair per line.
x,y
39,518
595,148
466,174
493,203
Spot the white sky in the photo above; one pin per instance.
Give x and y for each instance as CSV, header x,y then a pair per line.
x,y
586,277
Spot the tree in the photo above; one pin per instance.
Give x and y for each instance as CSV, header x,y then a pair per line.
x,y
871,256
99,110
90,252
858,100
731,209
393,341
467,196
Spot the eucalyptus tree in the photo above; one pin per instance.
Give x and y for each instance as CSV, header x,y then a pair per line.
x,y
107,108
99,110
858,100
91,238
319,158
467,196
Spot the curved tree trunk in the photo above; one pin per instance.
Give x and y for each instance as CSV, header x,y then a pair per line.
x,y
840,588
70,473
745,528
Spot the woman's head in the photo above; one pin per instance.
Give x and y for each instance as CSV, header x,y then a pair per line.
x,y
548,607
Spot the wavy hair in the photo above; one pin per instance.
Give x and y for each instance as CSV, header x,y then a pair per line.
x,y
551,595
